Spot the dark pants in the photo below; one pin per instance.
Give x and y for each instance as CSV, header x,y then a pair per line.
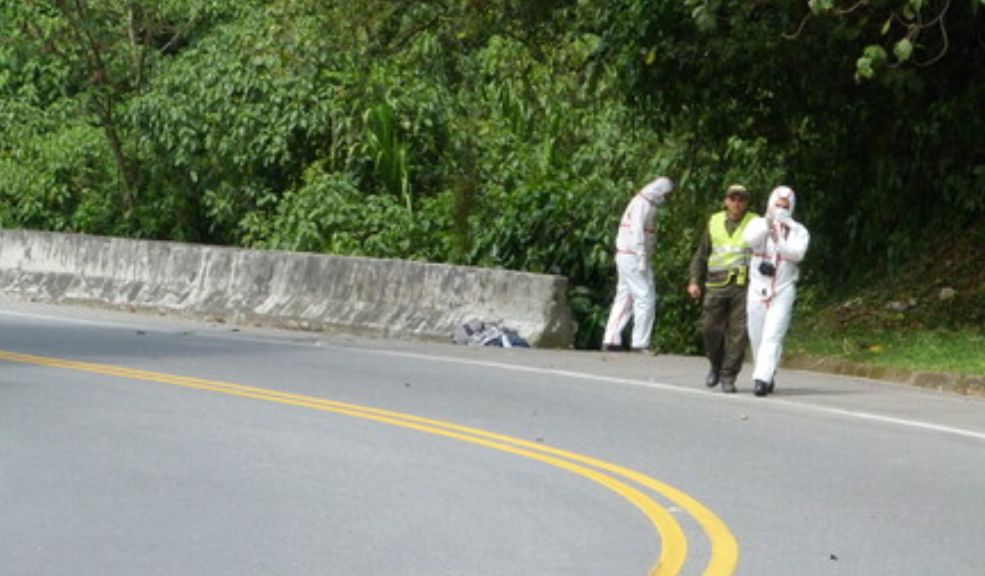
x,y
723,326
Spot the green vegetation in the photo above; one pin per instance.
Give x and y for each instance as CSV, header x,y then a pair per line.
x,y
500,132
934,351
927,316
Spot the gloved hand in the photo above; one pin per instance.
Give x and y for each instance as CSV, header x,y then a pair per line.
x,y
778,220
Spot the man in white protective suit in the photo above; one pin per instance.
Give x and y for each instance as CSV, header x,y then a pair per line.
x,y
636,295
778,245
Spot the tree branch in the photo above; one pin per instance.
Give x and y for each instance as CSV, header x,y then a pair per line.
x,y
940,15
846,11
800,28
179,34
940,21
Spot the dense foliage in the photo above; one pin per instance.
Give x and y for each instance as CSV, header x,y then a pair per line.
x,y
495,132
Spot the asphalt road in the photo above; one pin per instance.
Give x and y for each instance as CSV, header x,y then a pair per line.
x,y
139,445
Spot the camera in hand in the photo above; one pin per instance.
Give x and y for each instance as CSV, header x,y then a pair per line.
x,y
767,268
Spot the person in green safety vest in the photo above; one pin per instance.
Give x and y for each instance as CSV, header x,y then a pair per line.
x,y
719,275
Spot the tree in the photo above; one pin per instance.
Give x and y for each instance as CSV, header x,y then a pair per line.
x,y
113,47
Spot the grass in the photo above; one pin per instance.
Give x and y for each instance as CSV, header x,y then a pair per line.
x,y
928,316
960,351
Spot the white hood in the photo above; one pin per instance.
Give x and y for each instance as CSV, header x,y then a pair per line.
x,y
781,192
657,190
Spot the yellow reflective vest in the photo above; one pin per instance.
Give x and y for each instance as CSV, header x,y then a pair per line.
x,y
729,258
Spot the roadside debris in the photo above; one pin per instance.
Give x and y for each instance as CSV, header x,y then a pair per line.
x,y
478,333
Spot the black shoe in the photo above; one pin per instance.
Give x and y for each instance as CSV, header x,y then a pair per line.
x,y
769,389
611,348
728,386
760,388
711,380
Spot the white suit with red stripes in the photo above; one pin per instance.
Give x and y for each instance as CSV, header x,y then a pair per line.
x,y
781,241
636,295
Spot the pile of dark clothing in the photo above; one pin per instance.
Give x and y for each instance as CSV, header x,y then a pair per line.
x,y
479,333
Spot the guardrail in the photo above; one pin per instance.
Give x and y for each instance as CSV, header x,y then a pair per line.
x,y
282,289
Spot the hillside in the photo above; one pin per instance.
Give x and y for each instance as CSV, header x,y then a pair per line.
x,y
928,315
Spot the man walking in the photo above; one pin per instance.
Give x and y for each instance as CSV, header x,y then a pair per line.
x,y
721,266
778,244
636,295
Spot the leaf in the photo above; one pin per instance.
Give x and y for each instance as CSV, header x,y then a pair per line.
x,y
704,18
875,52
903,50
872,58
863,69
819,7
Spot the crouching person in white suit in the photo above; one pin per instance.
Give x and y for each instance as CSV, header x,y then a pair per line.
x,y
636,295
778,245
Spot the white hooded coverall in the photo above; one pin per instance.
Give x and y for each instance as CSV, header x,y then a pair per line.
x,y
780,240
636,295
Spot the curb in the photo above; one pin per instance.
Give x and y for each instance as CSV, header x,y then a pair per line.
x,y
966,384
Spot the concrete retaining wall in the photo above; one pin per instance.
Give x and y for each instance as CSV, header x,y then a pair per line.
x,y
283,289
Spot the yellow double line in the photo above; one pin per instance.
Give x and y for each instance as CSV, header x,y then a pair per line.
x,y
724,549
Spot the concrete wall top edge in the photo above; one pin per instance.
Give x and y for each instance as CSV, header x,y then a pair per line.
x,y
234,249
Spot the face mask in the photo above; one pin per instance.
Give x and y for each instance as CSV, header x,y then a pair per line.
x,y
780,214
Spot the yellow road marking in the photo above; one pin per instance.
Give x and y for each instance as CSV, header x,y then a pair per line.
x,y
724,549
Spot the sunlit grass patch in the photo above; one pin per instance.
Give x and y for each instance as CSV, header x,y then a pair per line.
x,y
961,351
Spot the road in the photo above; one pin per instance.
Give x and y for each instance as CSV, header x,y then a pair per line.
x,y
134,444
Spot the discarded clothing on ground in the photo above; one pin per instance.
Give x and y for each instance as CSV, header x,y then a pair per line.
x,y
479,333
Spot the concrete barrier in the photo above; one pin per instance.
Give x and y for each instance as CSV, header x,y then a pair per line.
x,y
282,289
